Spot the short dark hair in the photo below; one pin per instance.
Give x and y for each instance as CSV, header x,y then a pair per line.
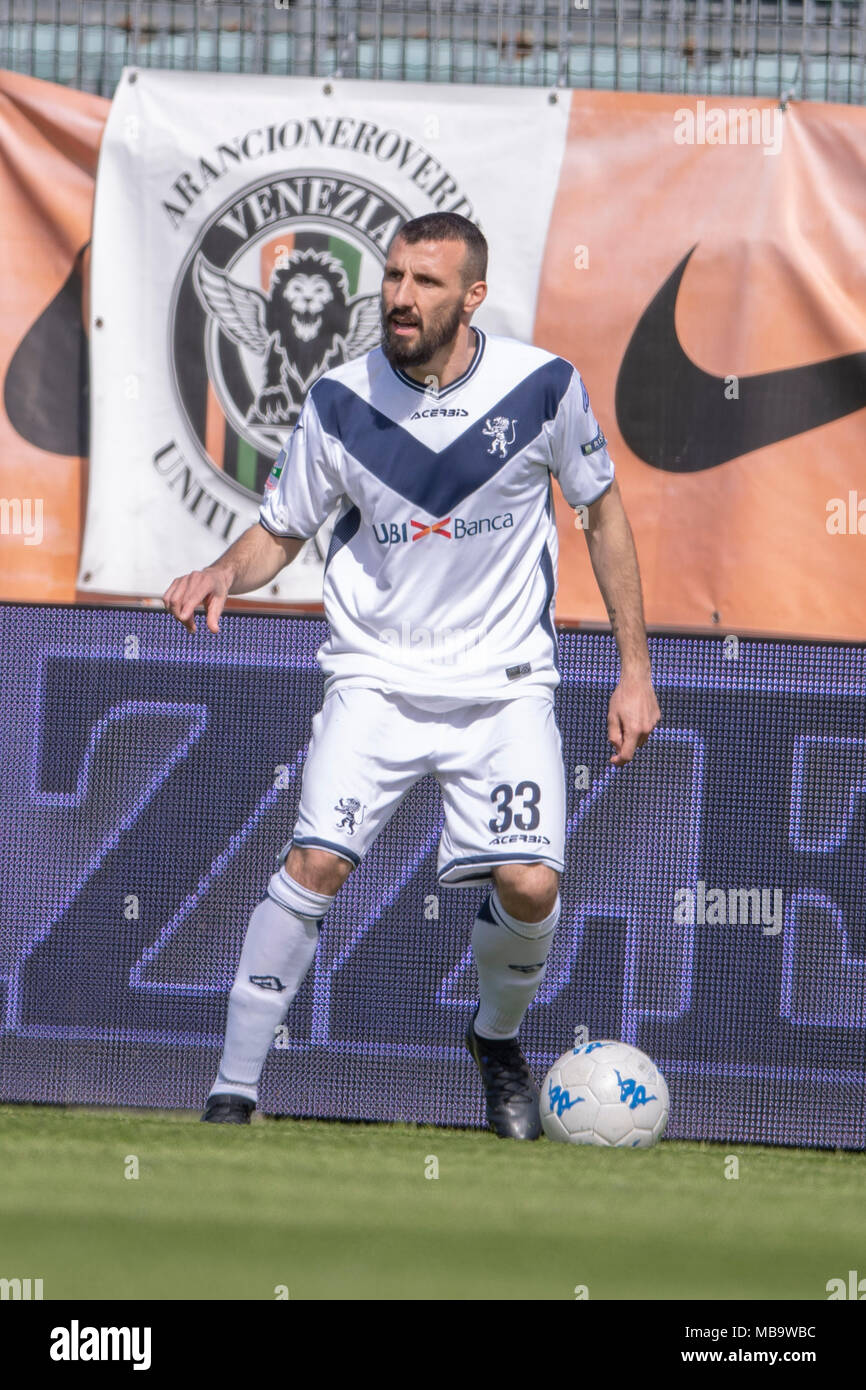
x,y
450,226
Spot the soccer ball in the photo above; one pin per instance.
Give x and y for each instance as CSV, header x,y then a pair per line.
x,y
605,1093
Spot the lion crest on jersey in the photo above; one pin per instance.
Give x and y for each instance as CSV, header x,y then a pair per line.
x,y
305,324
352,814
497,429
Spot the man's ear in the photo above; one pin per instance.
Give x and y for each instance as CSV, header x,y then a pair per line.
x,y
475,295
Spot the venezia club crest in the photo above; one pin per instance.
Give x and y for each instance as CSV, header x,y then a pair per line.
x,y
282,283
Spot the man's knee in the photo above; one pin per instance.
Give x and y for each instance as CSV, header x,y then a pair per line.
x,y
317,869
527,891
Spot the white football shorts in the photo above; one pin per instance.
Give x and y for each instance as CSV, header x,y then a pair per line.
x,y
499,768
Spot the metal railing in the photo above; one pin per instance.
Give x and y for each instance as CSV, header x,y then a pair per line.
x,y
808,49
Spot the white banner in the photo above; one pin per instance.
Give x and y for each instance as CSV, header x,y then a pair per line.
x,y
240,229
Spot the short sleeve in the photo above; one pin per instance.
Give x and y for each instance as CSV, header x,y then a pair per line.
x,y
303,487
580,461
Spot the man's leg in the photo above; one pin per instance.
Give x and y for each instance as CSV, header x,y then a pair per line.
x,y
278,949
504,794
361,762
511,939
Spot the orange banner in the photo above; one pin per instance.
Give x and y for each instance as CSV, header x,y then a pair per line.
x,y
713,295
49,140
705,270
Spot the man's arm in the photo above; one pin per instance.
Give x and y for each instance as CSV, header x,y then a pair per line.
x,y
255,558
633,711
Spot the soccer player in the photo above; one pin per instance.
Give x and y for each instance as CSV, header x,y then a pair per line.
x,y
438,447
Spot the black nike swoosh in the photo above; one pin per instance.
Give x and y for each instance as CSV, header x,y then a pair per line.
x,y
675,416
46,392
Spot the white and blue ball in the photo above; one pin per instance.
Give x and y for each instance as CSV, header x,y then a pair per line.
x,y
605,1093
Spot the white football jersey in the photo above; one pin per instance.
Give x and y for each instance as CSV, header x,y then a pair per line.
x,y
441,574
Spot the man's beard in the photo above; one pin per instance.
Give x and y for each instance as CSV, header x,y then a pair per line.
x,y
401,353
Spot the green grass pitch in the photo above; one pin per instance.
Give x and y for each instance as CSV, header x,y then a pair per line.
x,y
345,1211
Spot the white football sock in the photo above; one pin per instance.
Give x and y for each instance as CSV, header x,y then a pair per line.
x,y
278,951
511,957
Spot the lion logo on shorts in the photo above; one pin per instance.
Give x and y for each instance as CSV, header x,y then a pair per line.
x,y
352,813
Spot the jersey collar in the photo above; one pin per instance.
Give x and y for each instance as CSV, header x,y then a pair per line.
x,y
453,385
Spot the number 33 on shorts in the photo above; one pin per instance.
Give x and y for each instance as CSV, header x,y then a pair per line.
x,y
506,804
526,817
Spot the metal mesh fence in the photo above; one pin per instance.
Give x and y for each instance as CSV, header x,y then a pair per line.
x,y
810,49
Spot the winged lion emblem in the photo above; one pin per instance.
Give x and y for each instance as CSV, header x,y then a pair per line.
x,y
305,324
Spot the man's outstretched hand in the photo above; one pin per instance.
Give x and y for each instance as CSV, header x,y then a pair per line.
x,y
208,587
632,715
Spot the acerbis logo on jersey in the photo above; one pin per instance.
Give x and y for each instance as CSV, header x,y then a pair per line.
x,y
439,410
395,532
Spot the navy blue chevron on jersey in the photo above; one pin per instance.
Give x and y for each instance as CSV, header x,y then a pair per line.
x,y
441,575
